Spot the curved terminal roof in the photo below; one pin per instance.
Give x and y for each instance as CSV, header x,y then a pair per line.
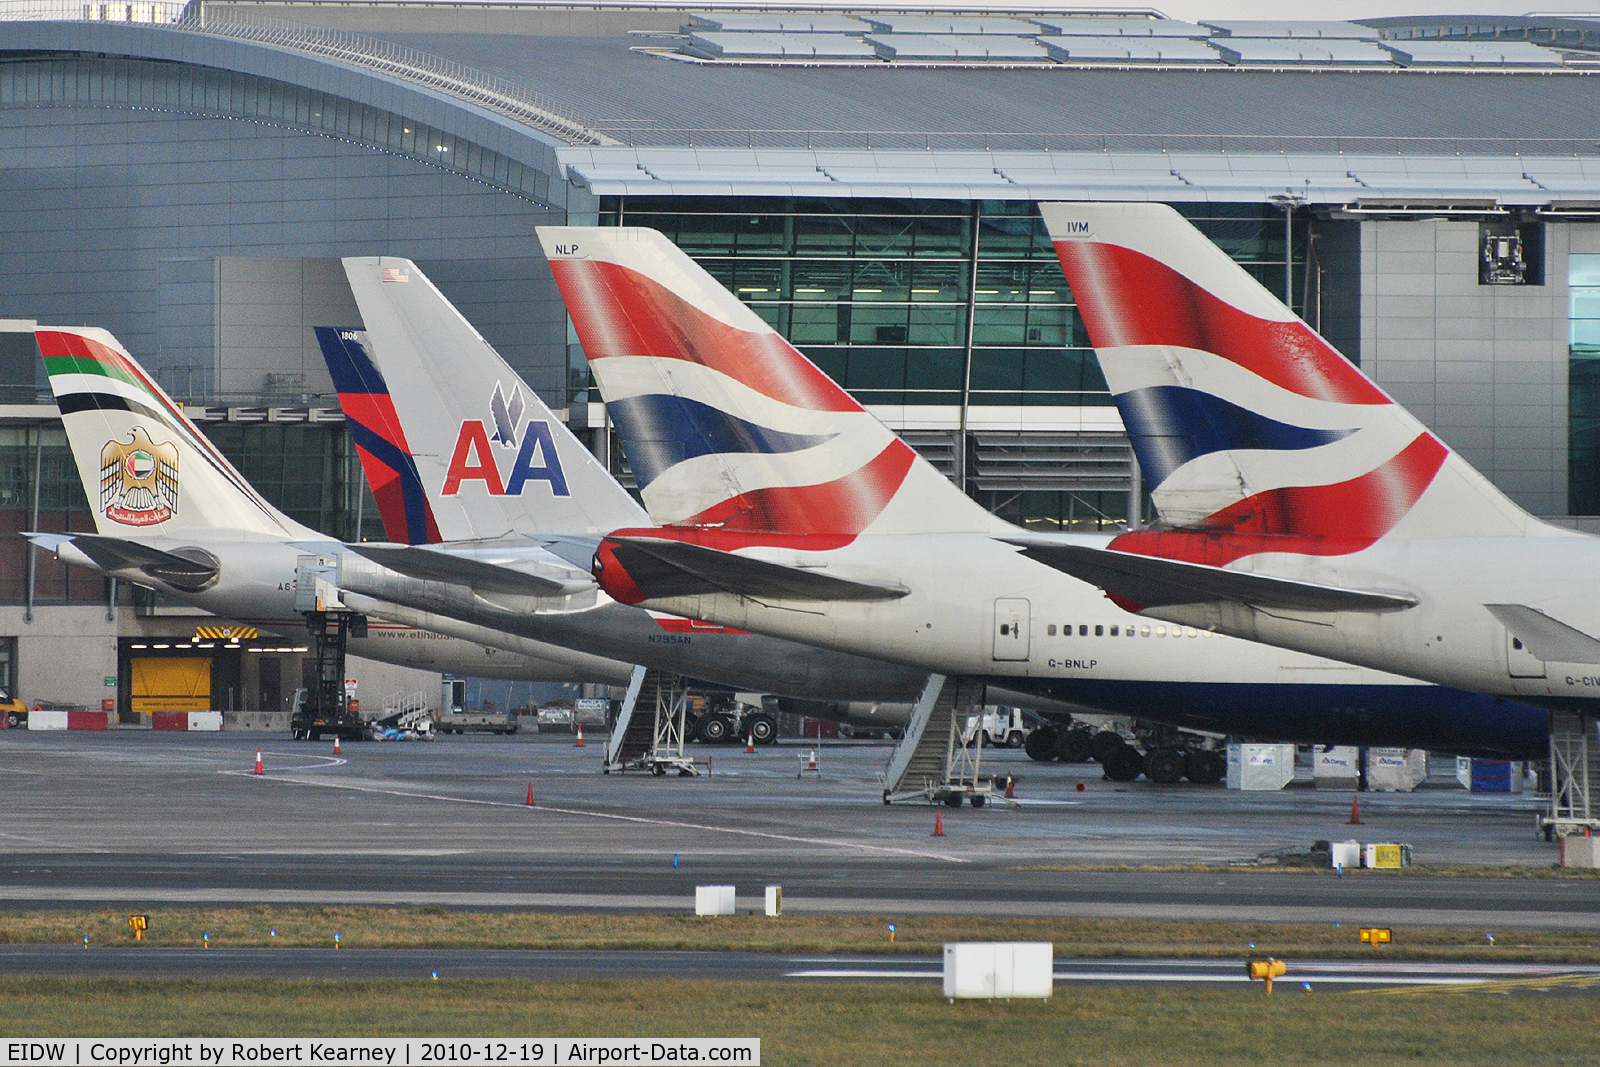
x,y
1392,139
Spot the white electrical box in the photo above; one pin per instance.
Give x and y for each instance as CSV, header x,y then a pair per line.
x,y
713,900
1346,854
998,970
774,900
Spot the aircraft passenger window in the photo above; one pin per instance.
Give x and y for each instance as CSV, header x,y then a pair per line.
x,y
1161,631
1099,631
1113,631
1190,631
1144,631
1050,630
1083,631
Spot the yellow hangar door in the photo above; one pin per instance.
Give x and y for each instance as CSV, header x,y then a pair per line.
x,y
177,683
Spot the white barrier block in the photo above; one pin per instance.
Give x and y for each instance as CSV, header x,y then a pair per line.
x,y
205,720
713,900
774,900
998,970
47,720
1346,854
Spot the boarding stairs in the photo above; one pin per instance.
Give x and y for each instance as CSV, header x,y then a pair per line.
x,y
651,728
1574,775
935,761
407,711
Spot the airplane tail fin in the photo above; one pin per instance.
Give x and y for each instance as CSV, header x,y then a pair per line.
x,y
146,468
379,438
724,422
488,455
1249,425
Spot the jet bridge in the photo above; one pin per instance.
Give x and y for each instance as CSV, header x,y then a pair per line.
x,y
651,728
935,761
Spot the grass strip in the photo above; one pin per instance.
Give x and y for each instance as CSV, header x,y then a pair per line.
x,y
839,1025
434,927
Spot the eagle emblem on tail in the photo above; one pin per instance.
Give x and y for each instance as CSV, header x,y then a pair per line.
x,y
139,480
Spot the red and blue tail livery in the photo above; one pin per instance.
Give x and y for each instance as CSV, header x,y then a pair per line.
x,y
726,425
1254,433
379,439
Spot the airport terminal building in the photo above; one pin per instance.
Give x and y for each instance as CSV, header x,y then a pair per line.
x,y
1424,191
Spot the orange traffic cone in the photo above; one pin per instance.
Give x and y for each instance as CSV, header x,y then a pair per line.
x,y
1010,795
579,742
1355,810
530,794
938,824
750,743
336,748
258,762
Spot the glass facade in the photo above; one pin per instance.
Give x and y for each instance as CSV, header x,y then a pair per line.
x,y
149,85
1583,385
943,302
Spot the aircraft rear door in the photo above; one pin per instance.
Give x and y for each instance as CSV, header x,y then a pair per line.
x,y
1011,629
1520,660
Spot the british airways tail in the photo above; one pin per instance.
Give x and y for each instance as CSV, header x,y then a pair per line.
x,y
481,456
725,423
146,469
1257,435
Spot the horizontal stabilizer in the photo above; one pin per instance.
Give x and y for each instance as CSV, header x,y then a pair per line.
x,y
440,565
190,568
1152,582
1546,638
663,569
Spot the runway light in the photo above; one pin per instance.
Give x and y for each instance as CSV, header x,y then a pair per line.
x,y
207,645
161,646
138,646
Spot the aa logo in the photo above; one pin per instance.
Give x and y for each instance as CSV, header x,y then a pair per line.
x,y
475,458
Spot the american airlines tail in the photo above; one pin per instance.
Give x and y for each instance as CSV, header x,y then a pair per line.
x,y
725,423
1257,435
484,457
147,469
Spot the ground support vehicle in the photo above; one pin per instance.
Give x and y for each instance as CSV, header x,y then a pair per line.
x,y
937,760
459,721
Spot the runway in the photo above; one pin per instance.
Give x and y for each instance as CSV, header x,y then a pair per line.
x,y
143,819
448,964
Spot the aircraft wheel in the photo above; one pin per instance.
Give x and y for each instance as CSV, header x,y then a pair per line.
x,y
1075,746
1124,764
1104,743
1164,766
1041,744
1206,766
763,728
715,729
